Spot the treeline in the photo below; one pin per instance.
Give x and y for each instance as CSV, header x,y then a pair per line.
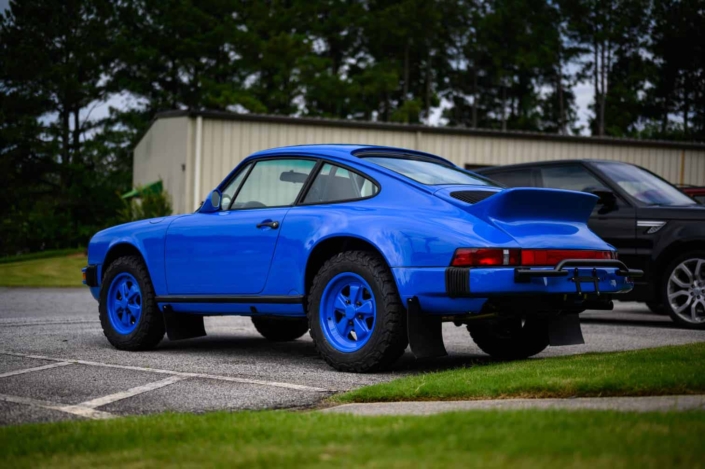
x,y
500,64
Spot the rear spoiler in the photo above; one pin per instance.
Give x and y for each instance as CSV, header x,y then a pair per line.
x,y
533,204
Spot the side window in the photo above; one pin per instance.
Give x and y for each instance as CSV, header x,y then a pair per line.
x,y
334,183
571,177
273,183
522,178
231,188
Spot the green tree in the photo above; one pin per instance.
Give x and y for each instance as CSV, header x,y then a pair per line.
x,y
53,63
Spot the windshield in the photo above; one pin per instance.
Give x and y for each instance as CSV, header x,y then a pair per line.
x,y
644,186
429,172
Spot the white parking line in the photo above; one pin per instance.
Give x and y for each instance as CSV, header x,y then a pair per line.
x,y
32,370
298,387
118,396
86,412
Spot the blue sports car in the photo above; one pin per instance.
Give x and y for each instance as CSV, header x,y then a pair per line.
x,y
371,249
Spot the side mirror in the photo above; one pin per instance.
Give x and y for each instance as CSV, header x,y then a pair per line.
x,y
607,197
212,202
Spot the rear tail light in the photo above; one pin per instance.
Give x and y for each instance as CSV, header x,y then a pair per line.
x,y
487,257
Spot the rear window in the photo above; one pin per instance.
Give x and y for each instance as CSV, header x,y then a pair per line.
x,y
429,172
520,178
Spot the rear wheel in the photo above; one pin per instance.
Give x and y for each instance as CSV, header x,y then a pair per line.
x,y
280,329
511,338
358,322
683,290
129,314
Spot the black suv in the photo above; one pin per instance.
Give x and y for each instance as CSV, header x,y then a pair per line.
x,y
653,225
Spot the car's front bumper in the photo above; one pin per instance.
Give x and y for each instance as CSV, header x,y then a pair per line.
x,y
451,290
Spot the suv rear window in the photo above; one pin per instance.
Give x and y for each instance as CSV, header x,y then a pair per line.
x,y
429,172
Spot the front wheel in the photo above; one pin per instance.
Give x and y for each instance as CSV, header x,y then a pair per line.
x,y
511,338
129,314
358,322
683,290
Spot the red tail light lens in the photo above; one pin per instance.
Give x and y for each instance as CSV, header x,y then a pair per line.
x,y
483,257
551,257
486,257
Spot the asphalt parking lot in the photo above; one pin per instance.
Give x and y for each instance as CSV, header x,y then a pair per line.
x,y
55,363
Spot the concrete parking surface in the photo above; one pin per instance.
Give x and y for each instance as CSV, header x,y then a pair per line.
x,y
55,363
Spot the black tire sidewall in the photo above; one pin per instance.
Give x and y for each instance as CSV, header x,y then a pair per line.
x,y
151,320
664,288
280,329
370,351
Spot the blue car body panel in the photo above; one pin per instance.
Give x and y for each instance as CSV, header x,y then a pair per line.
x,y
415,227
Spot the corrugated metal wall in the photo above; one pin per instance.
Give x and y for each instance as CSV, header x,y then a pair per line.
x,y
224,143
162,154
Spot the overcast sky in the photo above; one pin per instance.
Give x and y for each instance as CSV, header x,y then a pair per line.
x,y
583,97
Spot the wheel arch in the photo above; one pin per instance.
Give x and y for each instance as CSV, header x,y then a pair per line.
x,y
671,252
117,251
328,247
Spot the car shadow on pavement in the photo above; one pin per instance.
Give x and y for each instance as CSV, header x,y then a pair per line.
x,y
633,323
254,348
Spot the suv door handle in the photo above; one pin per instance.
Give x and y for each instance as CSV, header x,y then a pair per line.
x,y
270,223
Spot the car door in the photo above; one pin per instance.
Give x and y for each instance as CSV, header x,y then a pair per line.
x,y
229,252
616,224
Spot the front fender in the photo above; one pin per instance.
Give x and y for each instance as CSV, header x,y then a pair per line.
x,y
147,236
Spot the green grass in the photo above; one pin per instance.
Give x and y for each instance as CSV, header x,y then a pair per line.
x,y
41,255
659,371
57,271
516,439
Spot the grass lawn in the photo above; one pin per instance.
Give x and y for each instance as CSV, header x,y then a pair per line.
x,y
517,439
659,371
63,270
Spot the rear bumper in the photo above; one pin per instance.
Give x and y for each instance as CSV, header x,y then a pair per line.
x,y
451,290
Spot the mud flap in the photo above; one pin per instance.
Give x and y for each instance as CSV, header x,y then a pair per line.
x,y
181,326
565,330
425,332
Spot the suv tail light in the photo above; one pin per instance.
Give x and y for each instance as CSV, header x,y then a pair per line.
x,y
488,257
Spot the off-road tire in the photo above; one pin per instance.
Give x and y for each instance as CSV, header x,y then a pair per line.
x,y
663,287
509,339
150,330
389,338
280,329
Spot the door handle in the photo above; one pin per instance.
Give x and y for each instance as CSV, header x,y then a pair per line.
x,y
271,224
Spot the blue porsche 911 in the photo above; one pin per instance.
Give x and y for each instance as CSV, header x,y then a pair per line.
x,y
371,249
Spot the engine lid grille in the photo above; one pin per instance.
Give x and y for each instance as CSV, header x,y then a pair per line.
x,y
472,197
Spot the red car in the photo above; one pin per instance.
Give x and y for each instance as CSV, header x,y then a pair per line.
x,y
697,193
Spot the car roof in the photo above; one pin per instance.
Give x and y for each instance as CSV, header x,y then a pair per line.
x,y
545,163
343,151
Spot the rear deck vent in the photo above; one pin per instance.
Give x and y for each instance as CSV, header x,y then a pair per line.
x,y
472,197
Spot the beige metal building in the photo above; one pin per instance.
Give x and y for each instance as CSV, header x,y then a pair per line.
x,y
191,152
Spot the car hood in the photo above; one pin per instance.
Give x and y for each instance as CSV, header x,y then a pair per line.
x,y
692,212
535,218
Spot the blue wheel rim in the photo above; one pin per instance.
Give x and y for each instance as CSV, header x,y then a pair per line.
x,y
348,312
124,303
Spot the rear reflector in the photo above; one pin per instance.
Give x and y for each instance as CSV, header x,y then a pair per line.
x,y
487,257
551,257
